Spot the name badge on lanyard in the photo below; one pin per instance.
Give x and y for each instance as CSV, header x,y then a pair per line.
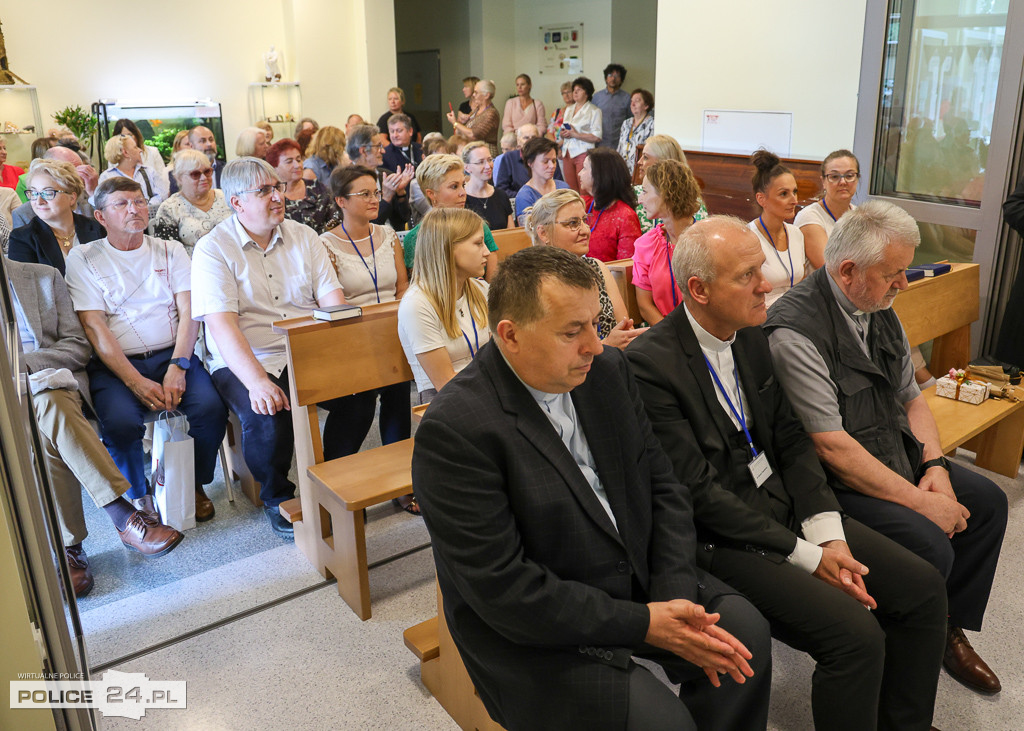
x,y
759,468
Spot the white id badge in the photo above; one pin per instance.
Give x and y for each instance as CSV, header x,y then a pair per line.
x,y
759,468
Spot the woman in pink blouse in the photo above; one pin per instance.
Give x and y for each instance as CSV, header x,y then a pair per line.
x,y
611,205
521,109
672,194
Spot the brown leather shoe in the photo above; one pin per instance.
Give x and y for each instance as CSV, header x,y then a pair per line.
x,y
78,566
204,506
145,534
964,664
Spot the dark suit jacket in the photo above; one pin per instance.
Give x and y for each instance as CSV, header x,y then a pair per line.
x,y
543,597
513,173
35,242
695,431
394,158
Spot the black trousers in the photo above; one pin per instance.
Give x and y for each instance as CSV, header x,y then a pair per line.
x,y
968,560
873,669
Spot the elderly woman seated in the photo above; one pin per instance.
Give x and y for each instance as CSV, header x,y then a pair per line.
x,y
305,201
252,142
125,158
196,208
366,148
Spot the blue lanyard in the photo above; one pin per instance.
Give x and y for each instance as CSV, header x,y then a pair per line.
x,y
740,416
373,255
825,206
476,336
599,214
671,274
789,250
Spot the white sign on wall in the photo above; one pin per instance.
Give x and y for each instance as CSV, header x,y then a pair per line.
x,y
743,131
561,49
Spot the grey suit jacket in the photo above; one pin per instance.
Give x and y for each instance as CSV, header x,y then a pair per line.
x,y
51,318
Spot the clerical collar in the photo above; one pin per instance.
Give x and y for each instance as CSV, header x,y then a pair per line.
x,y
848,307
706,340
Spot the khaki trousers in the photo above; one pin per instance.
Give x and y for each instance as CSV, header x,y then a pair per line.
x,y
74,457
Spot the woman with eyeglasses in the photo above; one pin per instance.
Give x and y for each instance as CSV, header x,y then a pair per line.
x,y
611,205
196,208
782,243
368,260
53,189
539,155
671,195
560,219
305,201
488,202
840,173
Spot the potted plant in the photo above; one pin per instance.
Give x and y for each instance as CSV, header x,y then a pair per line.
x,y
81,123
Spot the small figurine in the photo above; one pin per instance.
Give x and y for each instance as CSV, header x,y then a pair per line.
x,y
271,63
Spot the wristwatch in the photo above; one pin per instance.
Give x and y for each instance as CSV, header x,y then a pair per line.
x,y
182,363
937,462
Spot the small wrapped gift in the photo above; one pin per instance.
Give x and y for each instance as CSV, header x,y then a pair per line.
x,y
959,387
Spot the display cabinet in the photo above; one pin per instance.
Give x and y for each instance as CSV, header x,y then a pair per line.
x,y
276,102
20,122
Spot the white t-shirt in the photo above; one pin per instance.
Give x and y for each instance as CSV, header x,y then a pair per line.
x,y
782,268
134,288
230,273
357,274
816,213
421,331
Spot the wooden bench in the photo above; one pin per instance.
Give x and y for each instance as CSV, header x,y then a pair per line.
x,y
327,360
509,241
941,309
444,674
622,273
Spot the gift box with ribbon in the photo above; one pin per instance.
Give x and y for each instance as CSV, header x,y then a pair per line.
x,y
958,386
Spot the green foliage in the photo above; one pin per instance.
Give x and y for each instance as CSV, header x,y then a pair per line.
x,y
164,141
79,121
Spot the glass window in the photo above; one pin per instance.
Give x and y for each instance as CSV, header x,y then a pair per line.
x,y
938,95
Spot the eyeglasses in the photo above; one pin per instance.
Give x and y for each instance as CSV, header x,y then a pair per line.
x,y
366,195
47,194
266,190
836,177
485,161
139,204
573,224
196,174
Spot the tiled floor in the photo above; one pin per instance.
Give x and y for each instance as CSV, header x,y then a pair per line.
x,y
309,663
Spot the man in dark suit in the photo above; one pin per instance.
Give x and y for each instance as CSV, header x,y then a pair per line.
x,y
563,543
403,150
767,521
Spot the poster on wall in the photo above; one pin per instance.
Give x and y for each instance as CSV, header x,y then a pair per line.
x,y
561,49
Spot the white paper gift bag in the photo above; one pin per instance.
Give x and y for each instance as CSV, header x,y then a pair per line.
x,y
174,470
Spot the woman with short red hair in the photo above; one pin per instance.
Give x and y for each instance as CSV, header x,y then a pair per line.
x,y
305,201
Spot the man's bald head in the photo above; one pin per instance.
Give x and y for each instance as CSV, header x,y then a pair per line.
x,y
63,154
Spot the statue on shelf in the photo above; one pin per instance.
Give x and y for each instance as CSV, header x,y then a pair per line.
x,y
6,75
272,64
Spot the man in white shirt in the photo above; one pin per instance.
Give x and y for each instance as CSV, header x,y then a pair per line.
x,y
251,270
767,520
131,292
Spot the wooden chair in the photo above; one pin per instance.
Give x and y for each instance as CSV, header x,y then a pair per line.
x,y
622,273
638,177
327,360
509,241
941,309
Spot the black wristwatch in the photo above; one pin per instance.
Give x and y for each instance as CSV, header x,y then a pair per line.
x,y
937,462
182,363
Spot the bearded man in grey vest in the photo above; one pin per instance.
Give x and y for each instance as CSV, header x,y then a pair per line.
x,y
844,360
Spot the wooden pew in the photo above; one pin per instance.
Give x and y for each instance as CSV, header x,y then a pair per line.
x,y
327,360
941,309
509,241
622,273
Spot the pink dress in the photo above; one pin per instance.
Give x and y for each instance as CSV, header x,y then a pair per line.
x,y
652,269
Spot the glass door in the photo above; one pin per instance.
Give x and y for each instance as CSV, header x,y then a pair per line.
x,y
936,121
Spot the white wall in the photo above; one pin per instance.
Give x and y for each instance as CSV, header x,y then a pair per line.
x,y
801,57
198,48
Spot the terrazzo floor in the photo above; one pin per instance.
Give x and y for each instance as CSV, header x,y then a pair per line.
x,y
266,643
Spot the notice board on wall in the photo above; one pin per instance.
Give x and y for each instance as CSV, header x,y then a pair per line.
x,y
561,49
743,131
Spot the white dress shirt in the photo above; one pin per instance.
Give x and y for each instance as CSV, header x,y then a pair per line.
x,y
231,273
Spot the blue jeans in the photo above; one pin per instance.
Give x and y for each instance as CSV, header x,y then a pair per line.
x,y
350,417
122,416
